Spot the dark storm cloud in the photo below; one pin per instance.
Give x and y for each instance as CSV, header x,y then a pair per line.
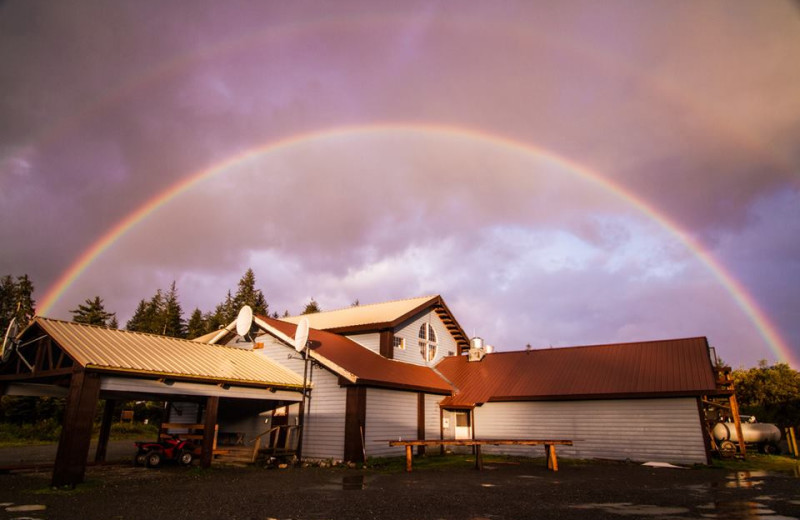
x,y
692,109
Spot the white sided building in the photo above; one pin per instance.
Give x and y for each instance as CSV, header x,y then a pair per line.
x,y
405,370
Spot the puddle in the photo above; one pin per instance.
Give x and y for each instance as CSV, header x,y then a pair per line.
x,y
638,510
743,479
25,508
353,482
529,476
488,485
740,510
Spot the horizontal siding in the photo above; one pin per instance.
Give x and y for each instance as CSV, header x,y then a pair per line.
x,y
432,419
666,430
324,431
409,331
370,341
182,413
390,415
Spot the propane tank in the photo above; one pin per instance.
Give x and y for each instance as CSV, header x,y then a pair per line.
x,y
755,433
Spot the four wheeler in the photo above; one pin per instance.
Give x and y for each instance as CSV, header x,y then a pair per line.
x,y
171,448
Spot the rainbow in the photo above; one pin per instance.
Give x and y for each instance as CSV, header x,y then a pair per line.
x,y
744,301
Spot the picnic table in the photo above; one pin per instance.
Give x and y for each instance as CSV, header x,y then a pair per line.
x,y
549,447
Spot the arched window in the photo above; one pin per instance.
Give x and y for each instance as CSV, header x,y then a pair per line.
x,y
427,342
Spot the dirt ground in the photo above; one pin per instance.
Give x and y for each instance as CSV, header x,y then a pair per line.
x,y
502,491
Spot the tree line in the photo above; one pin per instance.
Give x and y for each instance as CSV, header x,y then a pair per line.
x,y
160,314
771,393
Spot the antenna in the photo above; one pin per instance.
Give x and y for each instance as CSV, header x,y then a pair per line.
x,y
9,341
301,335
244,321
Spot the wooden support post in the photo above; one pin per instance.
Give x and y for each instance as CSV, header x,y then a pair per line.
x,y
738,424
409,457
76,432
421,422
105,431
552,460
209,431
478,458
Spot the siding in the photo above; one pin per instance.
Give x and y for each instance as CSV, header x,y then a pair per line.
x,y
182,413
324,431
666,430
432,423
409,331
370,341
390,415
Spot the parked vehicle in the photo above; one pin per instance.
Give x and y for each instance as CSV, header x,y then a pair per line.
x,y
764,436
171,449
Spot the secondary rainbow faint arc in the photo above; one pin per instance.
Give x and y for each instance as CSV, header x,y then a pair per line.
x,y
745,302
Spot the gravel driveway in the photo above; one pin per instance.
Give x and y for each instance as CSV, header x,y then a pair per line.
x,y
502,491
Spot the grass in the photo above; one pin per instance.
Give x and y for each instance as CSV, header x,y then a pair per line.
x,y
13,435
758,462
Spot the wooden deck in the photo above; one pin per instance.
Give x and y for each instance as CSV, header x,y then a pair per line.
x,y
549,447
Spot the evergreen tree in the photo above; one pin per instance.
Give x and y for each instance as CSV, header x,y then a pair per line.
x,y
16,301
112,323
137,321
172,314
25,301
247,294
196,326
92,312
311,307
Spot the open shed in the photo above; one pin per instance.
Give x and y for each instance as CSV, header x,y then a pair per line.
x,y
84,363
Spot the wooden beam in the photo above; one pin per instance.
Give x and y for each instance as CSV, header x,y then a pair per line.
x,y
387,343
737,423
76,432
105,431
355,427
421,421
209,425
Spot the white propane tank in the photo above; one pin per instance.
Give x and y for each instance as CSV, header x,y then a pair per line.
x,y
755,433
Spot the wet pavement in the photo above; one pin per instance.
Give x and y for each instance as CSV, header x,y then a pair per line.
x,y
501,491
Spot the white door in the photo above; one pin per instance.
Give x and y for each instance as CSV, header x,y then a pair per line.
x,y
463,425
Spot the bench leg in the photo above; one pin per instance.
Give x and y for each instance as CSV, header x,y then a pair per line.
x,y
478,457
552,460
408,458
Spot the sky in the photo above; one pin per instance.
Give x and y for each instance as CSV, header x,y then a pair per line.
x,y
562,173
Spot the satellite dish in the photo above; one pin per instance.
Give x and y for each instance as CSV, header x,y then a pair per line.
x,y
8,340
301,335
244,321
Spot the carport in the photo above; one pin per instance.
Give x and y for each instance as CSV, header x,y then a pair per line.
x,y
84,364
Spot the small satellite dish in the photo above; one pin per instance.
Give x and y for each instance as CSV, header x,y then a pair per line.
x,y
301,335
9,339
244,321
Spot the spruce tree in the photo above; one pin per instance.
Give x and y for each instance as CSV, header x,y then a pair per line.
x,y
312,307
16,301
92,312
197,325
247,294
172,314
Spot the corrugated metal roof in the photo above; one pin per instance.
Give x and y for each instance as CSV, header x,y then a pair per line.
x,y
359,315
667,367
118,350
367,366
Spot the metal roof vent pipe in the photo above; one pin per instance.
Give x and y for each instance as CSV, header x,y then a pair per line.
x,y
476,349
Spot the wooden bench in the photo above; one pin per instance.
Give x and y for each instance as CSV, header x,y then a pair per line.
x,y
549,447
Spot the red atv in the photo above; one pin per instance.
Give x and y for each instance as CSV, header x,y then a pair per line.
x,y
172,448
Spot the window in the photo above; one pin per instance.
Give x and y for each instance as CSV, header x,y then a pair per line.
x,y
427,342
400,343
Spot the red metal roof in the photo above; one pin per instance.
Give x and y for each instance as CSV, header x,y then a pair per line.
x,y
369,367
668,367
